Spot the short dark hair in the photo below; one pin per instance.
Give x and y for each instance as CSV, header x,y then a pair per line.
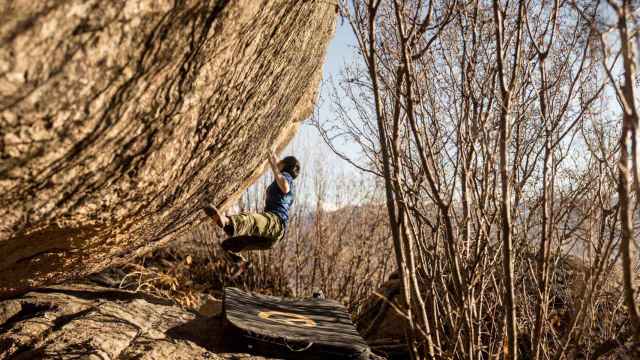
x,y
291,166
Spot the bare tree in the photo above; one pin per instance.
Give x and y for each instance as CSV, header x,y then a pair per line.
x,y
488,127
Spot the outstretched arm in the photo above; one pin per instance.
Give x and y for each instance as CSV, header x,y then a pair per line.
x,y
280,180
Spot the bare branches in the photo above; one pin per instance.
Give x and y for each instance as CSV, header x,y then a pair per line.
x,y
489,126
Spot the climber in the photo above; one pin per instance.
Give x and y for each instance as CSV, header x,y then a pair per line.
x,y
260,231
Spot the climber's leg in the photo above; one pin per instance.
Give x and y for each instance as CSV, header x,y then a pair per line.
x,y
256,231
220,219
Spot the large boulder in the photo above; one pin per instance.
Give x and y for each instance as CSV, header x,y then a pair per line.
x,y
119,118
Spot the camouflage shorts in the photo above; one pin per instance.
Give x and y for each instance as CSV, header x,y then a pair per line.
x,y
265,225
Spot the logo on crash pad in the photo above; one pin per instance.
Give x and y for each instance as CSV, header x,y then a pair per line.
x,y
287,318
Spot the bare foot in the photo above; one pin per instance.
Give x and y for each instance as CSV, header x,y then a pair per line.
x,y
213,213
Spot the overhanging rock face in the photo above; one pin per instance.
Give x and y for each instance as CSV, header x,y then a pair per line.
x,y
291,328
118,118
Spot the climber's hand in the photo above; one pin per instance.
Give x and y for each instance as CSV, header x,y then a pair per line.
x,y
273,160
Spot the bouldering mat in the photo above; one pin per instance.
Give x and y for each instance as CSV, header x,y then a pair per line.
x,y
291,328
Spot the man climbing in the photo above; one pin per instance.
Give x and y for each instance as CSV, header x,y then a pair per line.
x,y
260,231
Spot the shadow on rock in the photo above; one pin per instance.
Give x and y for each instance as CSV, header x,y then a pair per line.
x,y
206,332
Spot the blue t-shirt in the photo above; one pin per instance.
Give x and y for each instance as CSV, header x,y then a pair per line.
x,y
278,202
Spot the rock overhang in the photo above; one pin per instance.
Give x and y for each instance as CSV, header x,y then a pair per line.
x,y
117,120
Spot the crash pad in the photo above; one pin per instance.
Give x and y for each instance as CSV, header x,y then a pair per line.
x,y
291,328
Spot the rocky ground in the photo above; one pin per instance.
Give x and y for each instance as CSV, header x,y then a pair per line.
x,y
165,305
92,322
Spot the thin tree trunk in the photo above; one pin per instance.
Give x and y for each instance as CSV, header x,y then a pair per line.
x,y
387,171
629,129
505,204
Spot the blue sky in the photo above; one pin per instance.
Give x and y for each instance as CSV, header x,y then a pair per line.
x,y
341,49
308,145
340,52
344,185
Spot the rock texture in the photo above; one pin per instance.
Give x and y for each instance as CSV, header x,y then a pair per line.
x,y
88,322
119,118
379,322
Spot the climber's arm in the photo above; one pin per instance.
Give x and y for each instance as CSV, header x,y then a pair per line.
x,y
280,180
